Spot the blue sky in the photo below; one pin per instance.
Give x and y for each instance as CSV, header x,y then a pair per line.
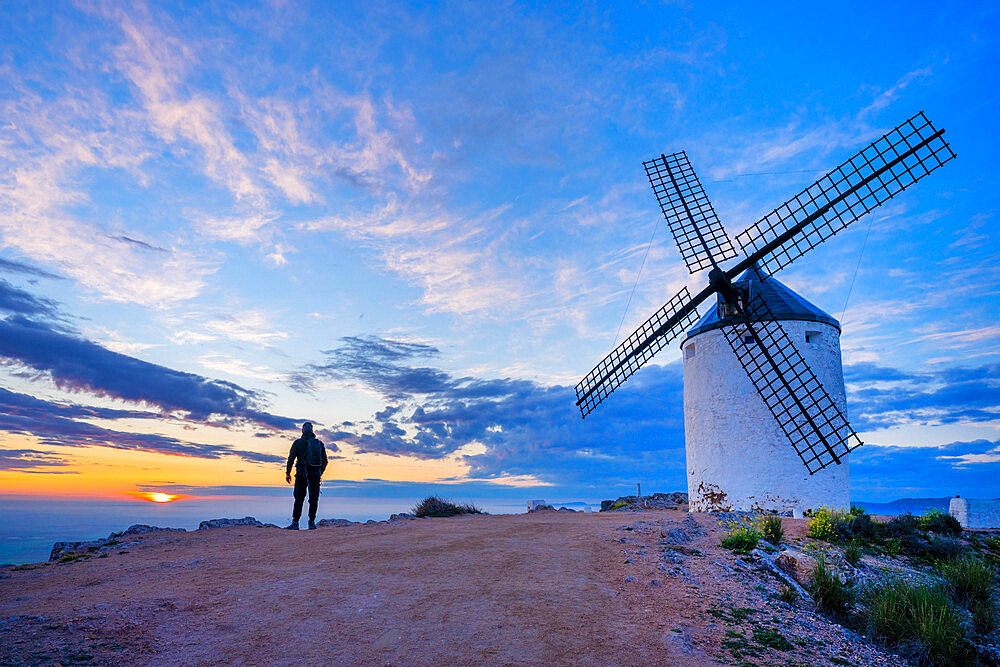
x,y
419,226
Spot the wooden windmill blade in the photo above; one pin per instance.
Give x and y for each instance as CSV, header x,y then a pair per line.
x,y
871,177
670,321
817,429
700,237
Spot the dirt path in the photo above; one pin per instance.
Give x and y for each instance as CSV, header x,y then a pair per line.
x,y
545,588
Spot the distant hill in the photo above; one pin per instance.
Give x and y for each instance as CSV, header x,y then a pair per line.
x,y
905,505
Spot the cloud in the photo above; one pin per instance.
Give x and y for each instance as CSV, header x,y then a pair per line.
x,y
77,364
880,473
32,460
15,300
10,266
44,207
881,397
522,427
155,64
60,424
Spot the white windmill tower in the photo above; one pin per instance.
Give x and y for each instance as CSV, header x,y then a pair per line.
x,y
737,455
736,438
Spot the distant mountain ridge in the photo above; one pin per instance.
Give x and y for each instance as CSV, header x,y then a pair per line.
x,y
905,506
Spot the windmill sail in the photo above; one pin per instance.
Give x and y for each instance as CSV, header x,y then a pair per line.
x,y
700,236
816,428
874,175
665,325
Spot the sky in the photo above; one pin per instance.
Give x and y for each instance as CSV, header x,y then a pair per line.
x,y
419,225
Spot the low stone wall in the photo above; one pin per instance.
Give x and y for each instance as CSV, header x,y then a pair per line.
x,y
975,513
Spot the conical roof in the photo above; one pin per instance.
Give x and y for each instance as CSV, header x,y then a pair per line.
x,y
784,303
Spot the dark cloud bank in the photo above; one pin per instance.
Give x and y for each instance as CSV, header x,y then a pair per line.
x,y
36,343
532,429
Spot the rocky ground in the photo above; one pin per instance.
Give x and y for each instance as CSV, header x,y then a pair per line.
x,y
549,587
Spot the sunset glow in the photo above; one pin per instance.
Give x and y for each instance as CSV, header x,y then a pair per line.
x,y
160,497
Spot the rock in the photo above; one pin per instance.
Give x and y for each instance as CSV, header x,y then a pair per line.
x,y
655,582
629,580
692,527
672,556
677,536
657,501
142,529
565,509
60,549
541,508
229,523
323,523
796,564
112,541
402,516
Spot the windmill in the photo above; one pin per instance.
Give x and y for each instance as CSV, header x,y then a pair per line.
x,y
803,410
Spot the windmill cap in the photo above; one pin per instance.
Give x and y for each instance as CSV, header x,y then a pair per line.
x,y
784,303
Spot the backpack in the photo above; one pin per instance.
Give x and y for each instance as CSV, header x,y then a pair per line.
x,y
314,453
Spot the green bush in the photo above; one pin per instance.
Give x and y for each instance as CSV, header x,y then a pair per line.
x,y
852,554
902,525
937,521
772,529
969,579
437,507
823,524
788,594
857,511
937,549
742,533
892,546
920,620
828,592
742,539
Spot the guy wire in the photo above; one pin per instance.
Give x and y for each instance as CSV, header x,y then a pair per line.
x,y
632,293
860,255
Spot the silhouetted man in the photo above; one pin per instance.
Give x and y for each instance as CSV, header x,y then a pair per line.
x,y
309,457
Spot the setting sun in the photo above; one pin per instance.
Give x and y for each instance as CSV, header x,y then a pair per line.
x,y
160,497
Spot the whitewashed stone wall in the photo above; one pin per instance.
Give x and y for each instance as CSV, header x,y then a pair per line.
x,y
738,457
975,514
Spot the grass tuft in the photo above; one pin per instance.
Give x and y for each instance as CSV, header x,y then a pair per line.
x,y
772,529
742,534
919,620
433,506
788,594
969,579
937,521
852,554
830,594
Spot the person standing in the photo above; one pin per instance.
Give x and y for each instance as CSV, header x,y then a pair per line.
x,y
308,455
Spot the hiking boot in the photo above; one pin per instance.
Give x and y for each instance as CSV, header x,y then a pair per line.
x,y
312,524
292,526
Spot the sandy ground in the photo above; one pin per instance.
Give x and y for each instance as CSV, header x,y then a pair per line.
x,y
545,588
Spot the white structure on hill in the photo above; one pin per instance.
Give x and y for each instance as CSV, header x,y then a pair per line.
x,y
976,514
738,458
